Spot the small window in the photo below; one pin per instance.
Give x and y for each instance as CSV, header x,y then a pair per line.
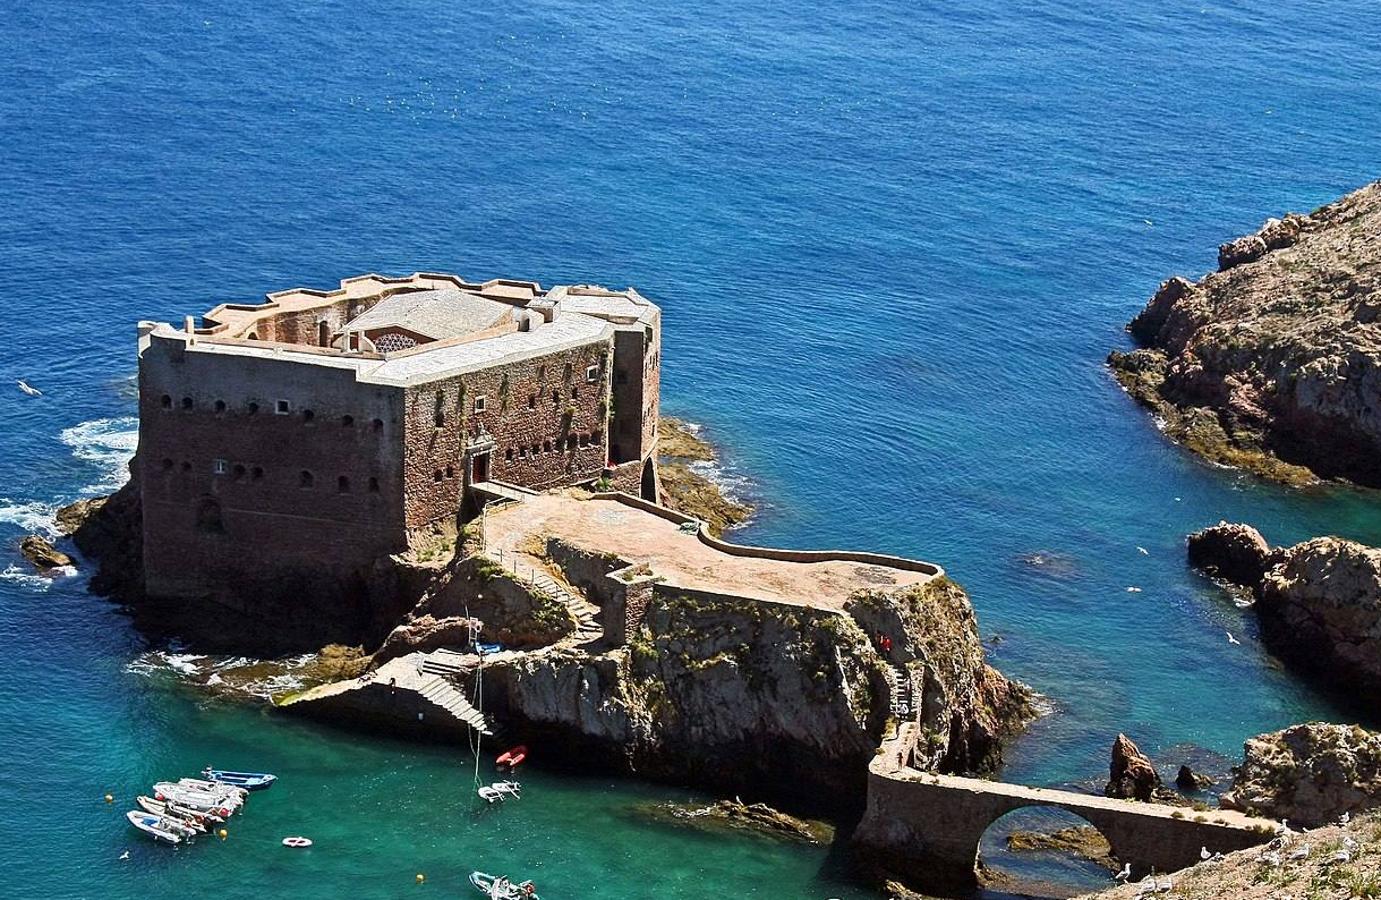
x,y
167,464
575,392
450,472
570,442
305,479
343,485
479,404
436,476
220,467
508,454
555,396
186,466
256,473
347,421
522,452
546,446
378,424
531,401
592,373
253,409
166,402
439,415
596,436
536,449
238,472
584,440
308,415
220,406
186,402
373,485
254,335
282,407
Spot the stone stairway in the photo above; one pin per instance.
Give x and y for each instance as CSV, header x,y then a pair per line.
x,y
440,692
445,661
899,680
587,627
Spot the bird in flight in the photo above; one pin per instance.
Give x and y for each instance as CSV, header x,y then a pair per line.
x,y
1231,639
28,388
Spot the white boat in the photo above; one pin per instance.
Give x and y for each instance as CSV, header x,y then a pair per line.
x,y
152,825
497,887
214,787
193,818
500,790
198,801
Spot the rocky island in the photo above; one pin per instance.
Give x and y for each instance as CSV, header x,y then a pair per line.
x,y
1273,363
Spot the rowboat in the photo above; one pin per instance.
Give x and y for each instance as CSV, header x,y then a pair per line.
x,y
250,781
497,887
196,819
152,825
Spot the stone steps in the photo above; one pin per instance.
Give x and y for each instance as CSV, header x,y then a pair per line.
x,y
440,692
899,680
586,613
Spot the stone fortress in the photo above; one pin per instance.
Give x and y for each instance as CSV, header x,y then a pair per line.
x,y
291,441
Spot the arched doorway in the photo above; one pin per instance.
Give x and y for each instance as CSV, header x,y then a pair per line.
x,y
323,334
648,488
1043,851
208,515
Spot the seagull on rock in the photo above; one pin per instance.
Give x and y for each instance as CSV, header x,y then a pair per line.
x,y
28,388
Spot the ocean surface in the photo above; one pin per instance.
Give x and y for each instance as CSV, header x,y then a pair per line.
x,y
893,243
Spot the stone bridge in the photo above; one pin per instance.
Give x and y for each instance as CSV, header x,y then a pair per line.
x,y
925,828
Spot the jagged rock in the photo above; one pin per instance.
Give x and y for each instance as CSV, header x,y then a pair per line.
x,y
1310,774
110,531
1233,552
1083,841
1189,780
1131,774
1320,606
423,634
42,553
1242,250
735,814
1274,363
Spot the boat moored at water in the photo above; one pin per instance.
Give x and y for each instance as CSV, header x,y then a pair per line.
x,y
498,887
250,781
198,801
193,818
154,826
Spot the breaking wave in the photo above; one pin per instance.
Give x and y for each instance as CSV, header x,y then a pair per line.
x,y
109,444
33,516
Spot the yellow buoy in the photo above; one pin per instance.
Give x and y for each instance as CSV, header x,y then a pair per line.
x,y
222,834
110,798
421,878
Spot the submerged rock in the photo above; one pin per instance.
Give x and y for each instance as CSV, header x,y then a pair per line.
x,y
1310,774
1273,363
737,815
1083,841
1189,780
42,554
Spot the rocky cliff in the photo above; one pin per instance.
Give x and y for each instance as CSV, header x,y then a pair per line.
x,y
1310,774
1273,363
764,699
1319,602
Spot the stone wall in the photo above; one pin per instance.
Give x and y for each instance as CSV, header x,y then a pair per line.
x,y
546,417
242,499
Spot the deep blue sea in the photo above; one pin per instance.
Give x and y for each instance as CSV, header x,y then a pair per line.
x,y
893,243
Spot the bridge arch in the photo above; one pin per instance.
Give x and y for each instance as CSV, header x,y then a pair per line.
x,y
1033,846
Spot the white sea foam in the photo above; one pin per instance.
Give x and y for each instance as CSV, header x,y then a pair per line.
x,y
183,663
33,582
33,516
109,444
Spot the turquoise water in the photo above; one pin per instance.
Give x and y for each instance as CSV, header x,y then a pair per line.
x,y
893,243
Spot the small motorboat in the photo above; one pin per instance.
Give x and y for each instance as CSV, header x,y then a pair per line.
x,y
250,781
172,811
214,787
497,887
197,801
153,825
511,759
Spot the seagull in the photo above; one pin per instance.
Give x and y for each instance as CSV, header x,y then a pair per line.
x,y
1204,854
1300,852
1231,639
1143,551
125,855
1344,819
28,388
1134,590
1125,873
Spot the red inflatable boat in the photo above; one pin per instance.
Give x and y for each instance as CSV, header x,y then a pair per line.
x,y
510,759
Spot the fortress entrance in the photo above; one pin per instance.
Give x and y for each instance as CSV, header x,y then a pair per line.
x,y
479,468
648,488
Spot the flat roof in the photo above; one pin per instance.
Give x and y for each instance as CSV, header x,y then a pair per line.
x,y
437,314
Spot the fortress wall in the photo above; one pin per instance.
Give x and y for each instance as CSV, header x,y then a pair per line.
x,y
257,521
520,414
634,427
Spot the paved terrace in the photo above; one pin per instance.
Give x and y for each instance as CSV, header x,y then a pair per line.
x,y
639,533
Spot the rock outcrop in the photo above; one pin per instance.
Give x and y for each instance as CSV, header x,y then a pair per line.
x,y
109,530
41,553
1233,552
426,633
764,699
1318,602
1131,774
687,490
1310,774
1273,363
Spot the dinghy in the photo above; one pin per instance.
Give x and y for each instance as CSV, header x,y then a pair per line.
x,y
497,887
152,825
511,759
214,787
172,811
250,781
198,801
